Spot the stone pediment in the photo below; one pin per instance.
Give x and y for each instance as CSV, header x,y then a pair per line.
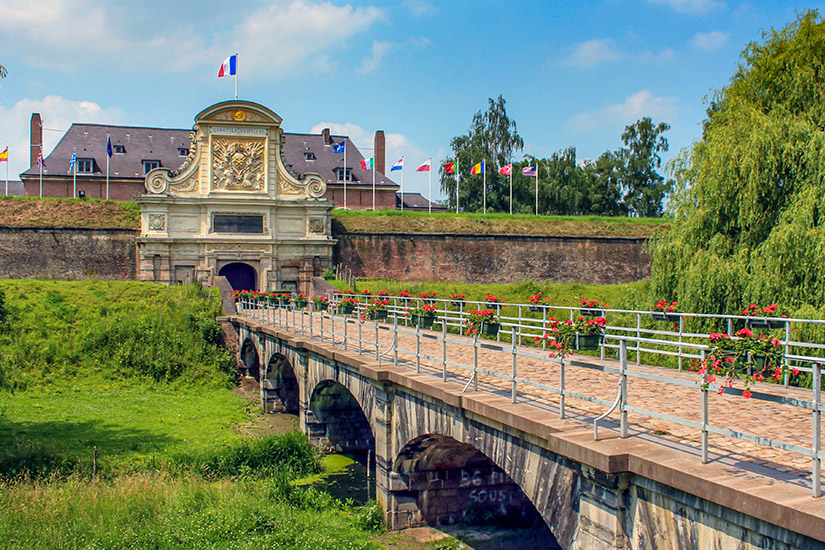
x,y
237,149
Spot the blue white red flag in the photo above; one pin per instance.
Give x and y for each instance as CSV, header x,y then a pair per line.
x,y
229,67
530,171
398,165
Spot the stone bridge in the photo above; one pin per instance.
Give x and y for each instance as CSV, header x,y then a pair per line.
x,y
446,454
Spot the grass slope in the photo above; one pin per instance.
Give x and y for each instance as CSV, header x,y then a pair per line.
x,y
394,221
52,212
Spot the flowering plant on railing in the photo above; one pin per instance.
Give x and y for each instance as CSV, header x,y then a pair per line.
x,y
404,294
492,299
320,300
476,319
424,310
663,306
427,295
755,311
535,299
366,292
562,335
301,299
666,311
460,297
376,309
746,357
383,293
592,308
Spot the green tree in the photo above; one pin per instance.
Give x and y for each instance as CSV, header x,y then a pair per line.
x,y
492,138
644,188
749,202
604,178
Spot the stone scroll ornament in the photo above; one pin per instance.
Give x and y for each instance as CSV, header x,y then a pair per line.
x,y
238,164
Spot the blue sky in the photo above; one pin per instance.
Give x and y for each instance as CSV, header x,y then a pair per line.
x,y
573,73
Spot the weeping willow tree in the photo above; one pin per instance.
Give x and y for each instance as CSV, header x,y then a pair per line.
x,y
750,202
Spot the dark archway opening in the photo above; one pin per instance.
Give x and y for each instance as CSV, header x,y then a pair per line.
x,y
250,363
280,386
336,423
241,276
454,486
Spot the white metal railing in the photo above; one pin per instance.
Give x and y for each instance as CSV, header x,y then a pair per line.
x,y
348,332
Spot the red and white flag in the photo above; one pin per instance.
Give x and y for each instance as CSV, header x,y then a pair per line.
x,y
506,170
424,167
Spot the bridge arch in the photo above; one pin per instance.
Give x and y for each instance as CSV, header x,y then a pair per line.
x,y
281,391
449,482
336,420
250,358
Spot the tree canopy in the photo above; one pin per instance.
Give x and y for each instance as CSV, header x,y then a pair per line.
x,y
749,202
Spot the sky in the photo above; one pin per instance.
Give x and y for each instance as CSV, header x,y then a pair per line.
x,y
572,73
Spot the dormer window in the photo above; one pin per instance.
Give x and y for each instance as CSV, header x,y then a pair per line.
x,y
119,149
183,151
339,173
85,166
149,165
309,155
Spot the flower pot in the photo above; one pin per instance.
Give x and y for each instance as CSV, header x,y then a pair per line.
x,y
377,315
495,306
346,309
322,306
591,312
662,316
535,309
423,321
489,329
429,301
300,304
457,303
765,323
586,342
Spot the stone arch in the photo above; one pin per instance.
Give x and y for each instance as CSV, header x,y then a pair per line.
x,y
336,420
445,481
250,358
281,391
240,275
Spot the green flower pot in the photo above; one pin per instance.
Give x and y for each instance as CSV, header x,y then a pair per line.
x,y
377,315
321,306
587,342
423,321
490,329
346,309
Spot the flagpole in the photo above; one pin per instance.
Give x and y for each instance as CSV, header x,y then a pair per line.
x,y
236,75
7,177
511,187
40,162
456,184
402,183
430,197
345,173
373,183
74,176
484,166
108,137
538,167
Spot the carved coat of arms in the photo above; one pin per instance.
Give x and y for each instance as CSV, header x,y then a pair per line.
x,y
238,164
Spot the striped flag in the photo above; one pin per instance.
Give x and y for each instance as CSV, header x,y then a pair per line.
x,y
398,165
229,67
424,167
73,161
4,156
530,171
449,168
368,164
478,169
40,160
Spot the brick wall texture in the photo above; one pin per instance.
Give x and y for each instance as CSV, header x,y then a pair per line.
x,y
68,254
492,258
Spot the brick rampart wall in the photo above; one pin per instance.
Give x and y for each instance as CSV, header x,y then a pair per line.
x,y
67,253
492,258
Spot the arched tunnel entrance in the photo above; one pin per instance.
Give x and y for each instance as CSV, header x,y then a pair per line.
x,y
240,275
250,362
280,386
450,483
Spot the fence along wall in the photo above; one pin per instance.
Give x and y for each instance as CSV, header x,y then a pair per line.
x,y
492,258
67,253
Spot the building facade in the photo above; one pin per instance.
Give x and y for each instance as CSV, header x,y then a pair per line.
x,y
235,207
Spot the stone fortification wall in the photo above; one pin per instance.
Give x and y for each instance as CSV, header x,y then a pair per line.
x,y
67,253
492,258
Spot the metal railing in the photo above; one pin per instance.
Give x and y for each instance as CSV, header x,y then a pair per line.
x,y
348,332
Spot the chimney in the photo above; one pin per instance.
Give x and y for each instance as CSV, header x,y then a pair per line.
x,y
36,138
327,139
380,152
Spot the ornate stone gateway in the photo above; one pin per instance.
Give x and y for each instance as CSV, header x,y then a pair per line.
x,y
235,200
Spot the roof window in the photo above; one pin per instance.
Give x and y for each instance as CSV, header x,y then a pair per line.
x,y
309,155
119,149
149,165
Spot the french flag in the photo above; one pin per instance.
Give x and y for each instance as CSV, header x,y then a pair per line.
x,y
229,67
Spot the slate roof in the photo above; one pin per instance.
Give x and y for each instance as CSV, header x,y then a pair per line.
x,y
163,144
416,201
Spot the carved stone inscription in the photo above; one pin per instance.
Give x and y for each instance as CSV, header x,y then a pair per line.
x,y
238,164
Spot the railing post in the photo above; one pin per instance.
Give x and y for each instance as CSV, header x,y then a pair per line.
x,y
816,447
561,388
345,332
543,327
376,339
311,314
360,323
638,338
475,361
444,345
787,350
623,360
705,411
681,339
395,339
418,346
513,390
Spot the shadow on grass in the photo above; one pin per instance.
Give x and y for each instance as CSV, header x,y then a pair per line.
x,y
37,449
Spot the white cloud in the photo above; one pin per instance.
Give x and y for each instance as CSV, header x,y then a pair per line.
x,y
592,52
420,8
709,41
691,6
379,49
57,114
668,55
612,115
285,34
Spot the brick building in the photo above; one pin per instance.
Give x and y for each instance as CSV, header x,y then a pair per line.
x,y
137,150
